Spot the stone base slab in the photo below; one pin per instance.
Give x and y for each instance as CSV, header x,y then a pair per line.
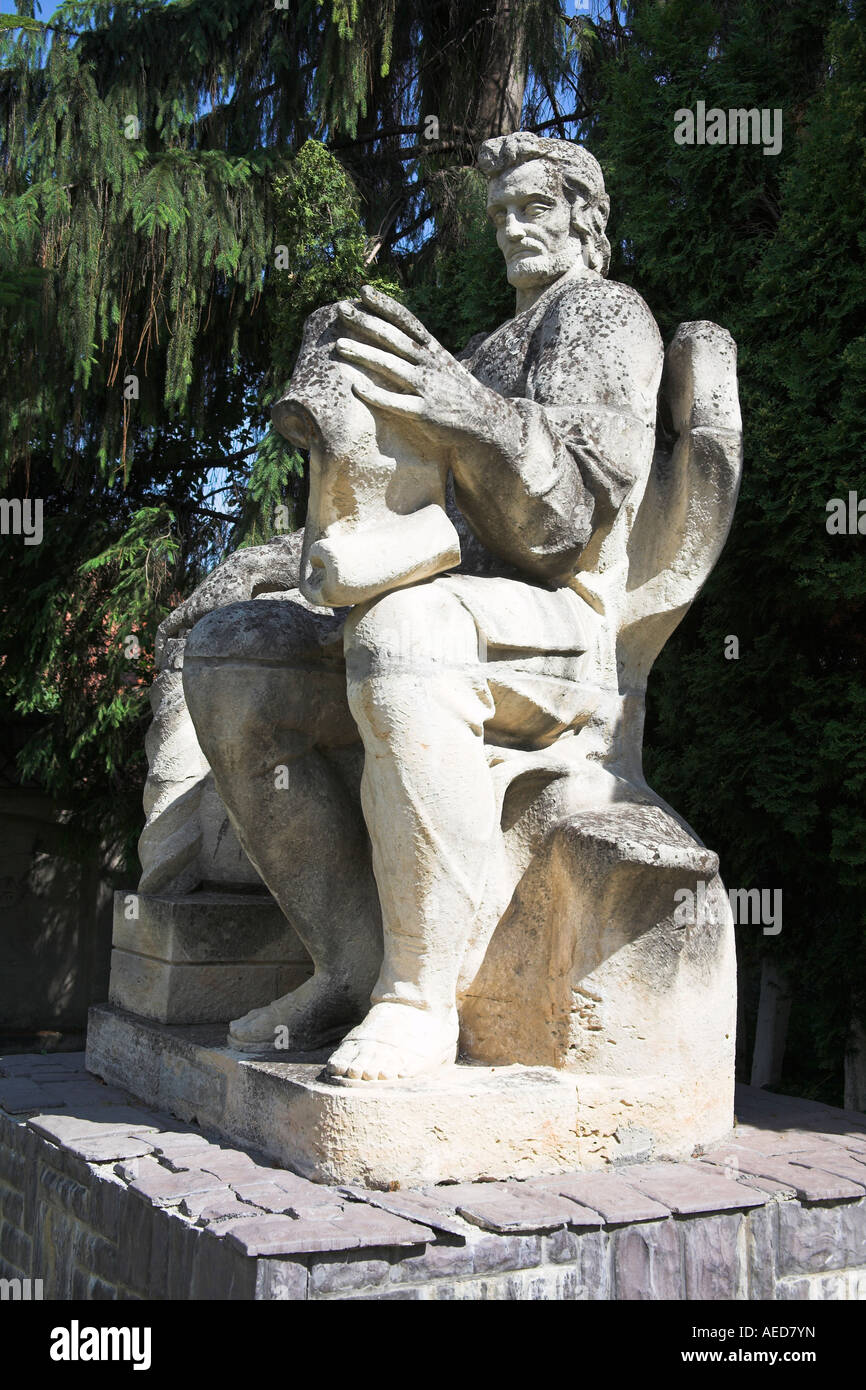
x,y
464,1123
202,958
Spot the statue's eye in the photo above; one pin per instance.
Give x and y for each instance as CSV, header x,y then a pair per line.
x,y
536,209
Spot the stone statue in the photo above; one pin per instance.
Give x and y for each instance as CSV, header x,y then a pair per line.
x,y
424,717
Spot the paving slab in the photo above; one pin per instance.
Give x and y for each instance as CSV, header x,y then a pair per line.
x,y
617,1201
687,1191
24,1095
366,1227
810,1184
414,1206
97,1123
156,1184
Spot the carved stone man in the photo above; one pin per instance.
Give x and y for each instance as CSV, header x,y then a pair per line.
x,y
461,658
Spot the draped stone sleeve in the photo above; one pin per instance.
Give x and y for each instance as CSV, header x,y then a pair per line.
x,y
580,437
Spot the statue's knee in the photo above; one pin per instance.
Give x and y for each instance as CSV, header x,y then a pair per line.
x,y
398,650
238,632
408,627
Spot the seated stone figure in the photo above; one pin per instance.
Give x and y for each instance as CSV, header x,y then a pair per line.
x,y
465,840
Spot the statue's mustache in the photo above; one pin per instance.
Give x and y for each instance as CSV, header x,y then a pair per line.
x,y
522,247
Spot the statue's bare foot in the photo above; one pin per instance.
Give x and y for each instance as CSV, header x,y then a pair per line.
x,y
314,1014
396,1040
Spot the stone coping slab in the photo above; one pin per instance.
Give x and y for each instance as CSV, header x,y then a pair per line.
x,y
283,1236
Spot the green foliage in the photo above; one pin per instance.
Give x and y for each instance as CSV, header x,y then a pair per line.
x,y
462,290
773,772
77,664
155,153
322,246
689,222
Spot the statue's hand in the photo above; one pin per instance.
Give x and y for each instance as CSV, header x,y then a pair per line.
x,y
261,569
433,391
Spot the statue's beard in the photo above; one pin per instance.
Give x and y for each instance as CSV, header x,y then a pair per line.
x,y
542,269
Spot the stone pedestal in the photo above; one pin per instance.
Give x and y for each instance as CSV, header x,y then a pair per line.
x,y
202,958
467,1122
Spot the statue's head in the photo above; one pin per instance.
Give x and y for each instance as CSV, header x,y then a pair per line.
x,y
547,201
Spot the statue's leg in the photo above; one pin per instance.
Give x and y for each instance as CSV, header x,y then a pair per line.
x,y
419,695
266,687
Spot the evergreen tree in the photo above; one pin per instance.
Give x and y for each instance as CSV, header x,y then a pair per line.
x,y
181,184
773,248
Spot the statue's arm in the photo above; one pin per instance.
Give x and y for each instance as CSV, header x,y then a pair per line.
x,y
536,477
553,471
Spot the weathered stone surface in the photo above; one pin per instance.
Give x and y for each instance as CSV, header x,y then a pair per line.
x,y
685,1188
181,1158
280,1235
207,1208
233,1165
414,1206
156,1184
281,1279
298,1201
648,1261
511,1211
208,928
24,1095
844,1287
761,1243
93,1124
187,993
562,1246
38,1064
814,1239
774,1187
65,1192
494,1254
852,1231
830,1159
88,1092
809,1239
195,958
448,1259
596,1265
110,1148
711,1265
457,1123
343,1273
810,1184
304,1196
616,1200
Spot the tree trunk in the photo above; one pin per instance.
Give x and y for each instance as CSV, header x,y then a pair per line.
x,y
500,103
855,1068
771,1031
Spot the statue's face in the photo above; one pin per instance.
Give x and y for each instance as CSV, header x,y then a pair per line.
x,y
532,218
